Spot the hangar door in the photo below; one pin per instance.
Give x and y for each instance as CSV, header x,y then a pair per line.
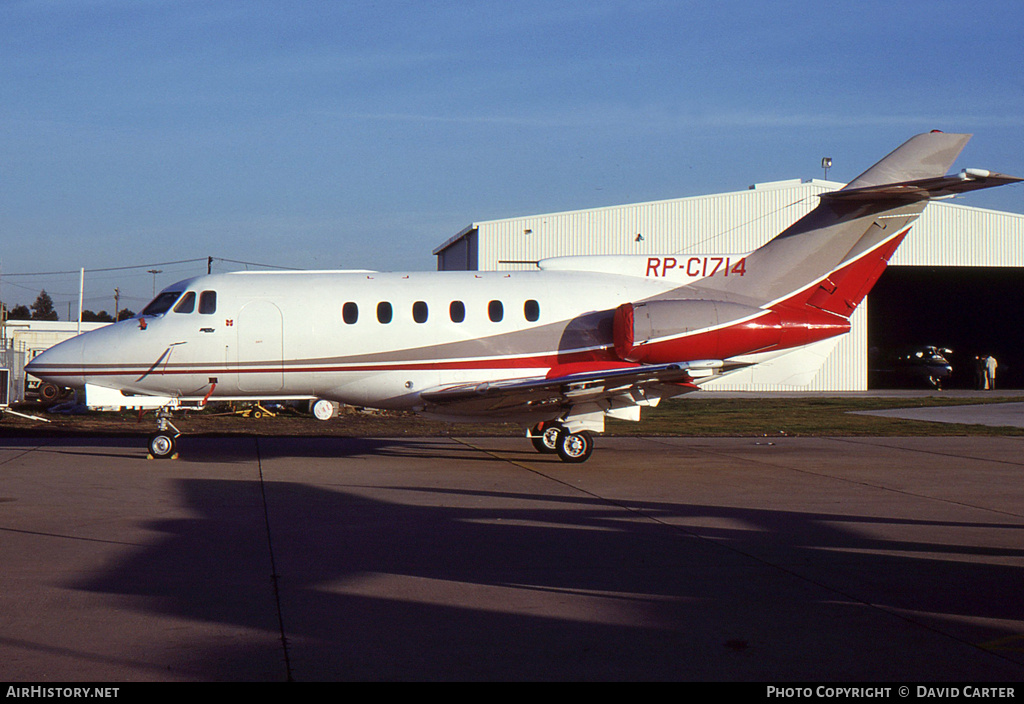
x,y
973,311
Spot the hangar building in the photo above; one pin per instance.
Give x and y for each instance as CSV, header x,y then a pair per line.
x,y
956,282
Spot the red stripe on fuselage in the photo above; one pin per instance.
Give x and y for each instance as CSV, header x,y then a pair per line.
x,y
599,357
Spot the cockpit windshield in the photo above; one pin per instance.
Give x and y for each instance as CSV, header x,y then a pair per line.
x,y
162,303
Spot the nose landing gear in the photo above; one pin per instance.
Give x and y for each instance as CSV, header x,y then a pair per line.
x,y
164,442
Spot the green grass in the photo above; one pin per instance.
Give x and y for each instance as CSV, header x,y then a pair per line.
x,y
805,416
696,415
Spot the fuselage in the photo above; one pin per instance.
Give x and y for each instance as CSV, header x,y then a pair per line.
x,y
379,339
363,338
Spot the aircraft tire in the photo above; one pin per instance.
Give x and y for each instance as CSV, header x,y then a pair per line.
x,y
162,446
575,447
323,409
544,437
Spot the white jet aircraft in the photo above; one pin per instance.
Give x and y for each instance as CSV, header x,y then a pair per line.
x,y
558,349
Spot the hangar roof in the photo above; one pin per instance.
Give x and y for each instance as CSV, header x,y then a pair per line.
x,y
947,234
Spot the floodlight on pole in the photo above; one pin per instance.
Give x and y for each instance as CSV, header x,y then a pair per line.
x,y
154,272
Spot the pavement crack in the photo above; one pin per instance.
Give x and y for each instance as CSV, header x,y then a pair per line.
x,y
274,576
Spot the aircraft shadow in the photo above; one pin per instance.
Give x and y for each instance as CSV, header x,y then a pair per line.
x,y
242,449
443,584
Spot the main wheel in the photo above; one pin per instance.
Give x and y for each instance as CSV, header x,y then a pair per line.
x,y
575,447
544,437
162,446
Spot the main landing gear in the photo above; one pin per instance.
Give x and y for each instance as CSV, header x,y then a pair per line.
x,y
552,437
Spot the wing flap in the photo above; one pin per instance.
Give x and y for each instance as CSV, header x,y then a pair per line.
x,y
543,393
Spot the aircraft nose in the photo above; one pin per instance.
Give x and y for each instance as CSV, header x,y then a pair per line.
x,y
61,364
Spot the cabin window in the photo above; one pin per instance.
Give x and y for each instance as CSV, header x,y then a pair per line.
x,y
350,313
419,311
495,311
457,311
208,302
384,312
531,310
162,303
187,304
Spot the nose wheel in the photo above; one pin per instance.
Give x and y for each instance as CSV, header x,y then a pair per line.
x,y
163,444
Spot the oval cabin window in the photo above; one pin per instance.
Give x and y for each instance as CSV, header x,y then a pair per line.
x,y
350,313
495,311
419,311
457,311
531,310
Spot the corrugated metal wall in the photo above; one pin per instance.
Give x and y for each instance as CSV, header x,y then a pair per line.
x,y
726,223
947,234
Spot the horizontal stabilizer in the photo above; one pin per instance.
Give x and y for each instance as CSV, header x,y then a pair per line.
x,y
923,189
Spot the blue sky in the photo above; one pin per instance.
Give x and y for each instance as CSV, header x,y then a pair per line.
x,y
362,134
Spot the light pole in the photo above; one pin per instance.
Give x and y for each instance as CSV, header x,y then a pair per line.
x,y
154,272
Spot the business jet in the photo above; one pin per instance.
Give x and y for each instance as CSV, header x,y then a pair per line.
x,y
557,350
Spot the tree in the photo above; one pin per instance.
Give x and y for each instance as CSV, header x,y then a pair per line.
x,y
42,309
103,316
19,312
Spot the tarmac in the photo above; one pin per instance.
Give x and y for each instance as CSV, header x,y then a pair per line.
x,y
1009,415
476,559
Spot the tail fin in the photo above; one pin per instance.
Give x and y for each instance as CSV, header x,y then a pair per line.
x,y
831,257
928,155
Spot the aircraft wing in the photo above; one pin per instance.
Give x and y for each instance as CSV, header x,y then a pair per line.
x,y
620,386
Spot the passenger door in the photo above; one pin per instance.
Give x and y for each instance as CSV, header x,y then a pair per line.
x,y
260,348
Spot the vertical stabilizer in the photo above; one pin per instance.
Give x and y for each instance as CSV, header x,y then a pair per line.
x,y
928,155
874,210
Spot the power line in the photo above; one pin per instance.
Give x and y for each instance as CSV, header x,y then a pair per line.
x,y
151,265
268,266
112,268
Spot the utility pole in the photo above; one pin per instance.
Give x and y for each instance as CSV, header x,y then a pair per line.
x,y
81,295
117,303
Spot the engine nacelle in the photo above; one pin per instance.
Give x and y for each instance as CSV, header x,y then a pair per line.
x,y
655,332
665,331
